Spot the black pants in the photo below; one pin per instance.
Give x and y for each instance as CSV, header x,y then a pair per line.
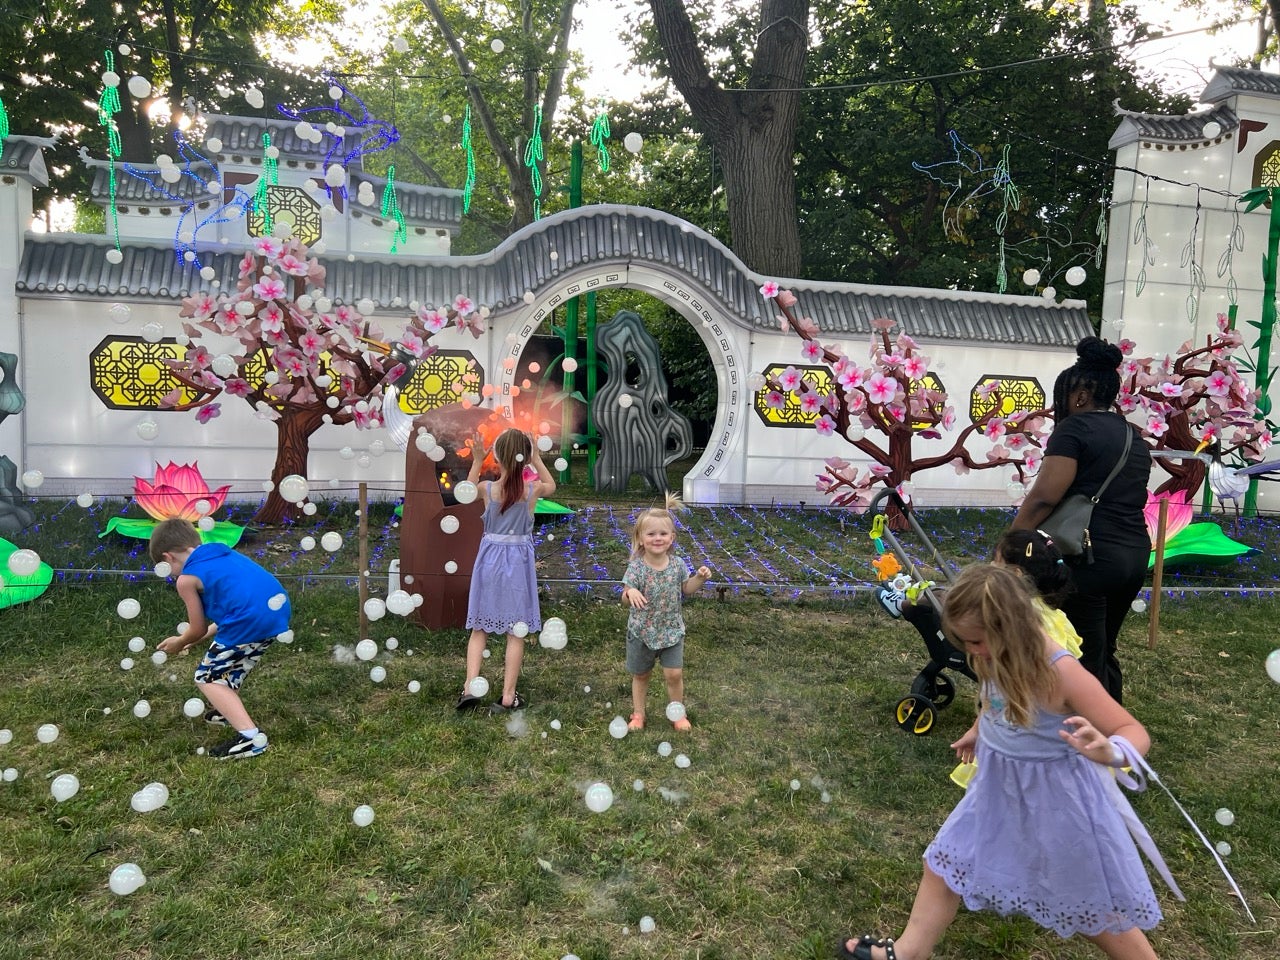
x,y
1102,595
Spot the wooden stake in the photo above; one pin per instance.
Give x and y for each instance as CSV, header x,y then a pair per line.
x,y
1157,575
364,558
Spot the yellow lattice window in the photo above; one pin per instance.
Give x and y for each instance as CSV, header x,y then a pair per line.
x,y
1014,393
289,205
791,415
930,381
128,373
432,383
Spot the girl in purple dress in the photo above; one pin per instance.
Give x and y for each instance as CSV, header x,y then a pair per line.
x,y
504,584
1043,830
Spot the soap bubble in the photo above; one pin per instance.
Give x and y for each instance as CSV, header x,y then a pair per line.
x,y
561,463
362,815
664,749
294,488
414,686
599,797
1031,277
193,707
277,601
451,566
675,711
307,543
114,256
554,635
1273,665
366,649
205,523
125,879
633,142
449,523
647,924
331,541
391,643
224,365
64,787
1076,276
6,736
1139,605
285,637
85,500
378,674
128,608
147,430
519,629
1223,848
10,774
478,687
142,709
152,332
795,785
545,443
158,657
569,364
400,45
47,732
555,724
126,663
400,603
465,491
682,761
625,400
1225,817
618,728
375,609
23,563
120,312
150,798
137,645
162,569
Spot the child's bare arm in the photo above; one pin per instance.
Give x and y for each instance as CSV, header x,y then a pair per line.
x,y
546,482
697,581
198,626
1096,715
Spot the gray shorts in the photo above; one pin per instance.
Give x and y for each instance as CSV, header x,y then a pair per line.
x,y
640,658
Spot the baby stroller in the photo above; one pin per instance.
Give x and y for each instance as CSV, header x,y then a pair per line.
x,y
932,690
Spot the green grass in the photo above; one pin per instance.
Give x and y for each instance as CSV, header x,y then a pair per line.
x,y
482,845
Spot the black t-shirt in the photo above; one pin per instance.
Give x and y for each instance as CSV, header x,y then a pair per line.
x,y
1095,441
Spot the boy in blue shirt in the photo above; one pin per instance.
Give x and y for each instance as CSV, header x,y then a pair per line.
x,y
232,602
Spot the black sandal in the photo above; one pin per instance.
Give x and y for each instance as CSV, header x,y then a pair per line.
x,y
517,703
468,702
862,949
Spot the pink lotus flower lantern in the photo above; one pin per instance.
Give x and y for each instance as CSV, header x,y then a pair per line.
x,y
176,491
1178,515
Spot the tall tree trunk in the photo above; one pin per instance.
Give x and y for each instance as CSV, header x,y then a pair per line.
x,y
753,130
293,448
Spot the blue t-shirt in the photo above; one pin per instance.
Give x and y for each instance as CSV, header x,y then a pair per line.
x,y
237,595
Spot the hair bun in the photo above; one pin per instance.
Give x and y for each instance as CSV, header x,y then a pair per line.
x,y
1096,354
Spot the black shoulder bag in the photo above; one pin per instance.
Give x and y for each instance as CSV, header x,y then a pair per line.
x,y
1068,524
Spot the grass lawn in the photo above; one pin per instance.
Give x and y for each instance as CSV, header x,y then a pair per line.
x,y
482,844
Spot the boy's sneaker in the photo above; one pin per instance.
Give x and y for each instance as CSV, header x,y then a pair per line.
x,y
892,601
214,718
239,746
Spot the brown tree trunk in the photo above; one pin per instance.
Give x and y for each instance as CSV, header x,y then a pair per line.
x,y
1185,475
293,447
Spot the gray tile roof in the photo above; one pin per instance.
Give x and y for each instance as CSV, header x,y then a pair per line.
x,y
585,241
1185,130
135,190
1228,81
243,136
24,157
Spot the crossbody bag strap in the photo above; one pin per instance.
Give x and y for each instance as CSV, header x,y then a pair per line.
x,y
1128,443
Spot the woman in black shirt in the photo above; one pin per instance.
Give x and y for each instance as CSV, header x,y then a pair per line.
x,y
1086,443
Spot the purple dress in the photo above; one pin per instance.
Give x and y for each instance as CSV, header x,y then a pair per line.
x,y
504,584
1041,832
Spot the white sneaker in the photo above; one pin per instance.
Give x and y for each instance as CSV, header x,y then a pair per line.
x,y
892,601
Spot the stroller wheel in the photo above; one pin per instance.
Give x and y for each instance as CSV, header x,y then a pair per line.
x,y
916,714
944,691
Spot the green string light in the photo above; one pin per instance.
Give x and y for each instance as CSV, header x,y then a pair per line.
x,y
469,187
270,178
533,154
391,209
108,107
4,126
1010,201
600,137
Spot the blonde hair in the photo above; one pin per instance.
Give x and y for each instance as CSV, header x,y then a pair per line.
x,y
1000,599
666,512
170,536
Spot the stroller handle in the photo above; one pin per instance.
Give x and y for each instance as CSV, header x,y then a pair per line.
x,y
878,506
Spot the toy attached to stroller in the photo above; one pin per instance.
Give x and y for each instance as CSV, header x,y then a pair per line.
x,y
910,596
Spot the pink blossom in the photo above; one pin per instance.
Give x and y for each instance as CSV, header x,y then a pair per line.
x,y
986,389
1217,384
949,418
264,411
825,426
961,467
1031,460
463,304
997,453
266,247
199,306
1171,389
789,379
881,389
271,317
915,367
994,429
1263,440
269,288
238,387
1128,368
810,402
786,298
248,265
293,266
1156,426
1126,403
1223,322
1016,441
775,399
208,412
198,357
811,350
880,470
769,289
433,320
882,323
275,338
411,343
345,313
891,360
850,377
905,343
311,343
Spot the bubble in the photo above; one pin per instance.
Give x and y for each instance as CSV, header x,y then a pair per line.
x,y
647,924
23,563
1211,129
825,797
126,663
485,653
47,732
618,728
449,523
465,491
128,608
625,400
193,708
378,674
6,736
1075,276
599,797
561,463
400,45
1139,605
362,815
682,761
1273,665
637,785
555,724
496,45
125,879
1225,817
285,636
331,541
1223,848
162,569
64,786
414,686
142,709
114,256
554,635
307,543
158,657
10,774
152,332
85,500
478,687
147,430
569,364
451,566
664,749
375,609
150,798
795,785
545,443
366,649
675,711
520,629
633,142
294,488
1031,277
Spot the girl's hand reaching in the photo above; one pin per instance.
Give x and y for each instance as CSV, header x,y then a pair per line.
x,y
1089,741
967,745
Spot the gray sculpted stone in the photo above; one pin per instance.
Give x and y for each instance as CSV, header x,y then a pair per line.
x,y
641,434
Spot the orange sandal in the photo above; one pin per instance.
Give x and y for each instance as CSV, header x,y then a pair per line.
x,y
636,722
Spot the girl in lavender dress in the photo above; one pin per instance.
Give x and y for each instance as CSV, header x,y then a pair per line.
x,y
504,584
1042,829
